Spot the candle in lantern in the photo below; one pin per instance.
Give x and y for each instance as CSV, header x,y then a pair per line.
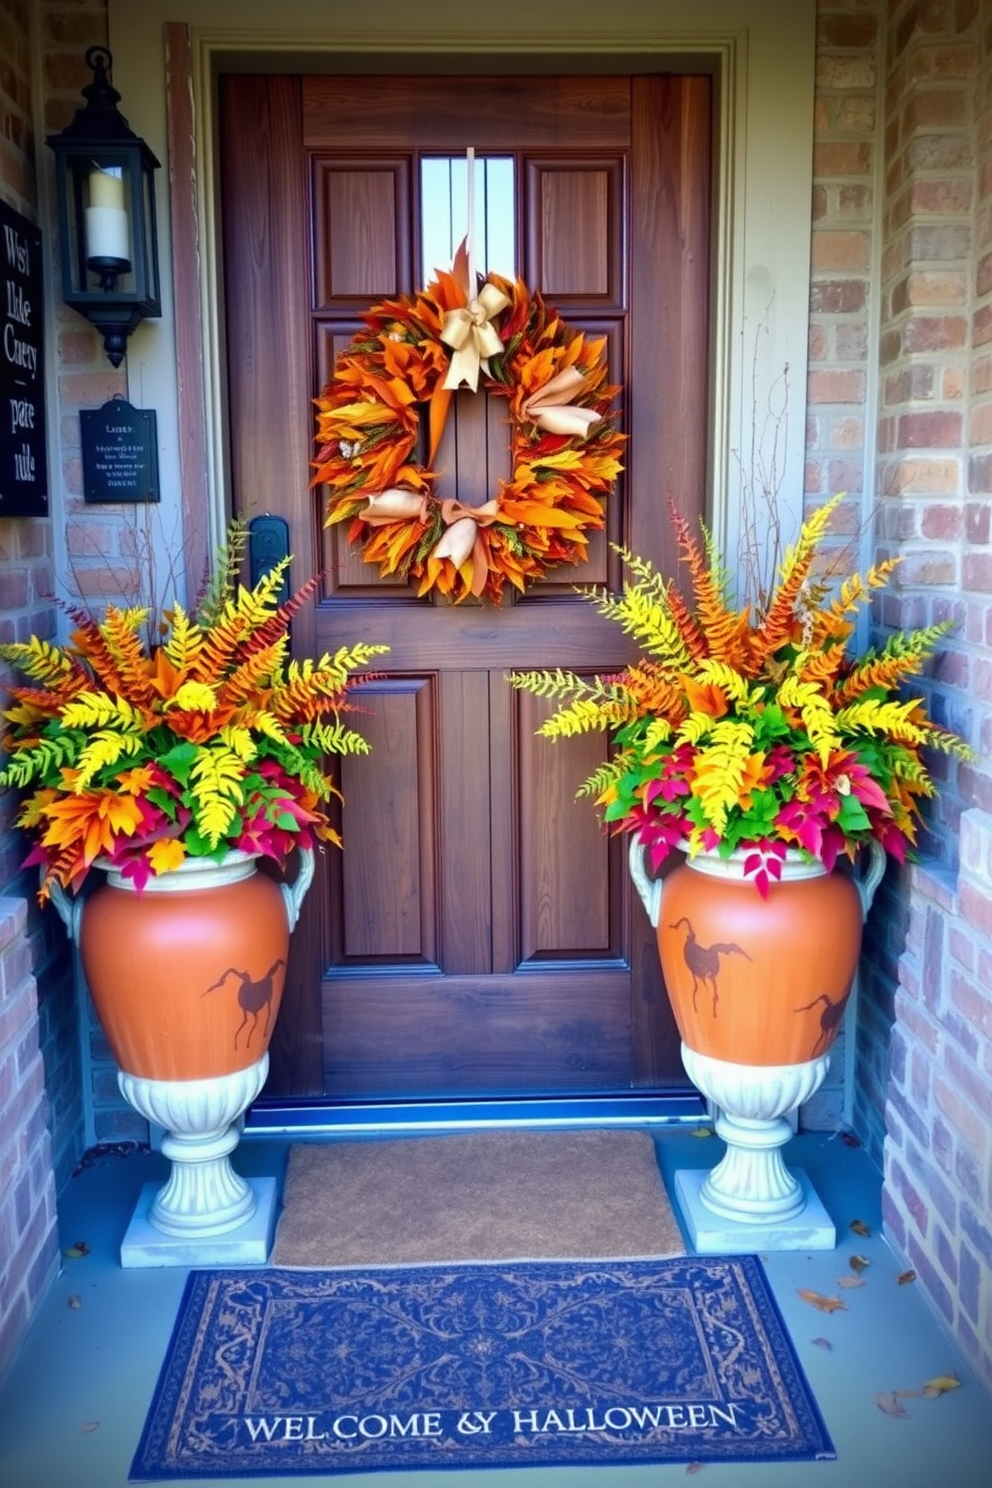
x,y
106,217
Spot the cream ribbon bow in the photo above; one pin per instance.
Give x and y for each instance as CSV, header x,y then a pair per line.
x,y
468,332
460,540
549,407
393,505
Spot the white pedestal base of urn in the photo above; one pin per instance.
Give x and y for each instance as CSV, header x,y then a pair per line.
x,y
206,1213
750,1201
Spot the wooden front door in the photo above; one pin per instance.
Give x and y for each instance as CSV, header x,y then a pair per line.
x,y
477,936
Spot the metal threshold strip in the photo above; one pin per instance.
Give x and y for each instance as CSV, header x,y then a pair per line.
x,y
326,1118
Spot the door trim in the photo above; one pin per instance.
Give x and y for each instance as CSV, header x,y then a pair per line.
x,y
325,1118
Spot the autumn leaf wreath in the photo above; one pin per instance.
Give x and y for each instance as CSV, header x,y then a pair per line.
x,y
417,350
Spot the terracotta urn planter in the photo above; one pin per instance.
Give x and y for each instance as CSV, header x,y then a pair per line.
x,y
186,977
758,987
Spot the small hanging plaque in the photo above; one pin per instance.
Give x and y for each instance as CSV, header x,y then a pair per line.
x,y
120,453
23,468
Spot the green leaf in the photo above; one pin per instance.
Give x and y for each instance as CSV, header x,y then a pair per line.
x,y
179,760
852,816
163,800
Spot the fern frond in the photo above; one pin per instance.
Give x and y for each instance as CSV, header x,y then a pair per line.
x,y
334,738
720,769
889,718
216,786
98,709
584,715
783,615
819,720
695,728
727,631
104,749
184,641
42,662
903,655
265,723
649,621
545,684
239,740
220,585
727,678
601,779
121,632
44,760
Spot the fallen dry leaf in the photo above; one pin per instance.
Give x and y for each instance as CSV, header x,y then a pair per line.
x,y
905,1277
859,1263
818,1300
74,1252
849,1139
859,1227
890,1405
824,1343
75,1301
701,1131
90,1426
940,1385
694,1467
850,1281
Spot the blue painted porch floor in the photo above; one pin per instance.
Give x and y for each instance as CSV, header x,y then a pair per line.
x,y
72,1406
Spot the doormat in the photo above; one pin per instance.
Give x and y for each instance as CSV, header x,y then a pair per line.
x,y
544,1363
476,1196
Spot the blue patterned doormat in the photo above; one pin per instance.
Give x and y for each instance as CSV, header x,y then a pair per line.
x,y
514,1364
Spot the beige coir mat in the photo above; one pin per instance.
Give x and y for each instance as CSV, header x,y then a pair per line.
x,y
480,1196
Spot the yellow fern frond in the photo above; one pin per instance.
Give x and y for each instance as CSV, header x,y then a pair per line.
x,y
783,612
642,615
658,731
239,740
545,684
819,720
725,677
41,661
104,748
263,722
720,770
584,715
184,642
875,716
216,786
695,728
335,738
601,780
98,710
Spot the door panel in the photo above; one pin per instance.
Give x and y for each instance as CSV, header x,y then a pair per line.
x,y
477,936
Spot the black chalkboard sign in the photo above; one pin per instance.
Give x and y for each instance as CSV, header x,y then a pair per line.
x,y
23,463
120,453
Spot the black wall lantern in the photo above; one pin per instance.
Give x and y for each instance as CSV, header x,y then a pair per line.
x,y
106,202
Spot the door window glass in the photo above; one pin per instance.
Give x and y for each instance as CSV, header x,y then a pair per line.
x,y
444,213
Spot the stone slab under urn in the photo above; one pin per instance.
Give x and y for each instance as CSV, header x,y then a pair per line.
x,y
145,1245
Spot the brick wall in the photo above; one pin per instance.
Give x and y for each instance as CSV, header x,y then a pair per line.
x,y
105,546
843,351
935,506
40,1138
29,1252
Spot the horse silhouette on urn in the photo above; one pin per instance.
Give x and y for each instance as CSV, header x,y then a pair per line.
x,y
703,962
253,996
